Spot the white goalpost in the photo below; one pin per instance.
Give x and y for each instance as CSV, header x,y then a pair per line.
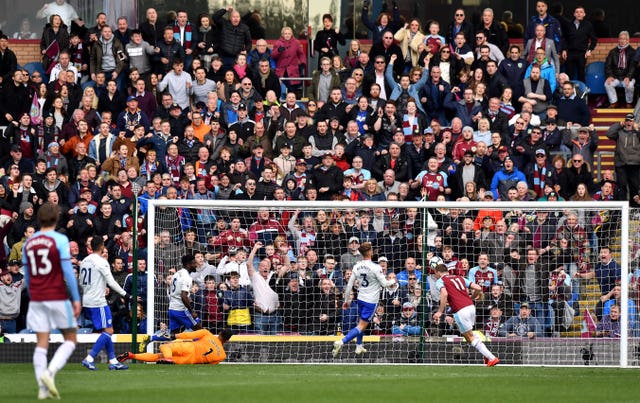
x,y
556,277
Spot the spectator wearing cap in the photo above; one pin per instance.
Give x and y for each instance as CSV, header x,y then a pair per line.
x,y
584,142
130,117
243,126
539,173
494,322
407,323
26,217
525,149
177,83
552,137
352,255
329,178
257,162
506,178
627,155
15,159
524,325
178,120
571,108
53,159
467,171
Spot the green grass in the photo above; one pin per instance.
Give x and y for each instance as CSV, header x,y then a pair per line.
x,y
327,383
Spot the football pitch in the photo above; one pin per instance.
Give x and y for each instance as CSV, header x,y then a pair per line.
x,y
327,383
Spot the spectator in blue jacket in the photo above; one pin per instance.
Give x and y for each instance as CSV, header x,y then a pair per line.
x,y
506,178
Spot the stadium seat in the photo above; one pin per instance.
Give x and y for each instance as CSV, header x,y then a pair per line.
x,y
36,66
582,87
595,78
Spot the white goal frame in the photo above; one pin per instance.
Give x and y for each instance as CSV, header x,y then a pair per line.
x,y
254,205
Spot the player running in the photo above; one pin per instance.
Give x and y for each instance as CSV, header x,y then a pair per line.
x,y
50,280
454,290
181,313
95,276
370,282
199,347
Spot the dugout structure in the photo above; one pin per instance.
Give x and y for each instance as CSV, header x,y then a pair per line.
x,y
567,235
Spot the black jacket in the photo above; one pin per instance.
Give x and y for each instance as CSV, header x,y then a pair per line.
x,y
234,39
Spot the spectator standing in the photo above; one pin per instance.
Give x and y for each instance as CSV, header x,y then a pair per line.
x,y
553,30
54,31
289,57
108,57
493,30
460,25
235,35
186,35
151,28
579,41
8,59
627,155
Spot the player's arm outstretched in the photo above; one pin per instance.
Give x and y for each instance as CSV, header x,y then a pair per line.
x,y
382,279
112,283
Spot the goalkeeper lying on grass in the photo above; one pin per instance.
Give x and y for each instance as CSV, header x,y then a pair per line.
x,y
199,347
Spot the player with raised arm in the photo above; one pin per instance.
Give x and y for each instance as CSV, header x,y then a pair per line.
x,y
95,276
181,313
454,290
199,347
55,300
370,282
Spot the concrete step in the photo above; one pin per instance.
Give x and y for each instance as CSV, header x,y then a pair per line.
x,y
613,111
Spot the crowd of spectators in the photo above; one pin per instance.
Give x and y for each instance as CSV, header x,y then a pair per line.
x,y
191,110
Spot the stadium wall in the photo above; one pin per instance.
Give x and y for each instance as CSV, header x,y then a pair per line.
x,y
454,351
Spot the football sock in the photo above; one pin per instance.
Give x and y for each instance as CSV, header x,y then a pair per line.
x,y
39,363
108,345
353,333
147,357
61,356
480,346
100,344
359,338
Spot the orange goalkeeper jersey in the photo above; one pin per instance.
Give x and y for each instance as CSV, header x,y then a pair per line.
x,y
199,347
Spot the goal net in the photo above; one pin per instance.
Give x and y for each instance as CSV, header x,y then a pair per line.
x,y
557,288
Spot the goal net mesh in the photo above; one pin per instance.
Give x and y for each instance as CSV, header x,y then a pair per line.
x,y
557,288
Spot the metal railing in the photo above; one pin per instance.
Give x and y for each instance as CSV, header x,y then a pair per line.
x,y
304,87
